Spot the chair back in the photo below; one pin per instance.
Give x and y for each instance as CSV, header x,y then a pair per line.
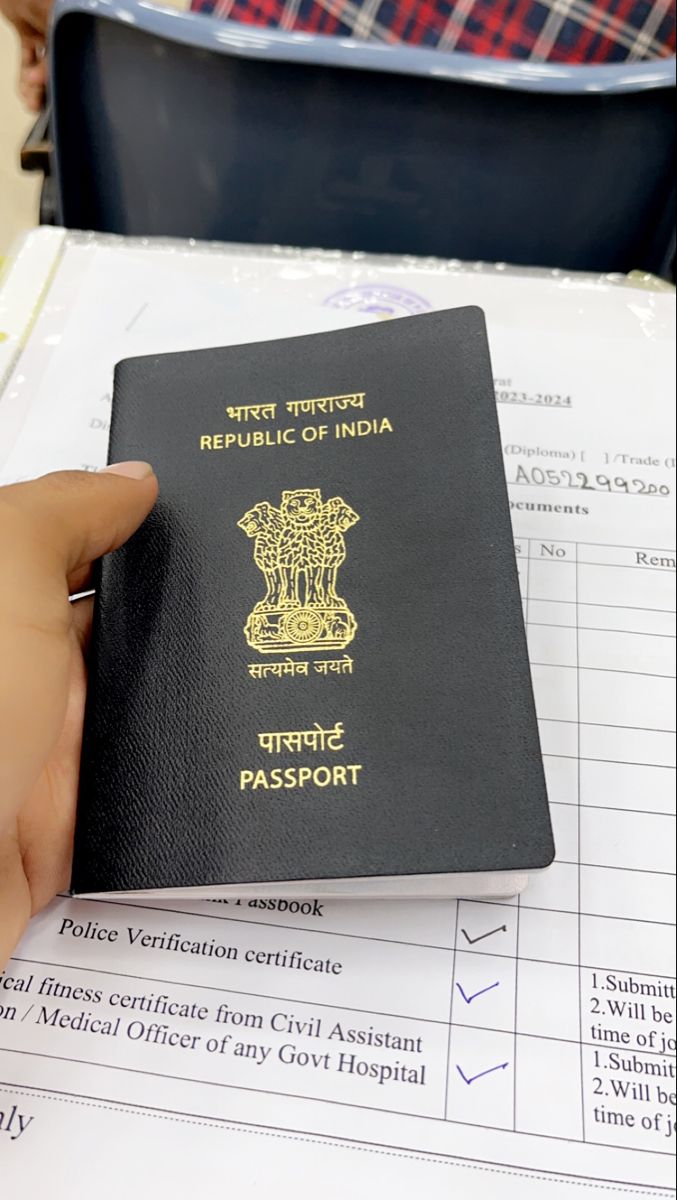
x,y
181,125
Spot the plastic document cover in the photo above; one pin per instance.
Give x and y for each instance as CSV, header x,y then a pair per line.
x,y
278,1047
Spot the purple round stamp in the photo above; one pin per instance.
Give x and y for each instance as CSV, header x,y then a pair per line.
x,y
381,299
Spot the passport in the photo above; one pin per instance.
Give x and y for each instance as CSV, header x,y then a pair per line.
x,y
309,671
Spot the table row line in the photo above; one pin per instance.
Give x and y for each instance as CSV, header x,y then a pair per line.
x,y
593,618
474,1077
339,969
598,586
595,783
606,726
643,654
595,553
595,698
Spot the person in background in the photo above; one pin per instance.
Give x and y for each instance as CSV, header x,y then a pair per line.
x,y
30,19
563,31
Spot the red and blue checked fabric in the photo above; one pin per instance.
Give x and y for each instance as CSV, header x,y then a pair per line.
x,y
571,31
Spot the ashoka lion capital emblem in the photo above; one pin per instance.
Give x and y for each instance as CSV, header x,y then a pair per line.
x,y
299,548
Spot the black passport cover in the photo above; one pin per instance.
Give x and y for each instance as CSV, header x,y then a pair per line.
x,y
342,573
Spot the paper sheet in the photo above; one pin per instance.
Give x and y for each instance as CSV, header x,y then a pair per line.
x,y
518,1049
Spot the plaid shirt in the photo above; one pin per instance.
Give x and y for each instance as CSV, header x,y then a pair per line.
x,y
573,31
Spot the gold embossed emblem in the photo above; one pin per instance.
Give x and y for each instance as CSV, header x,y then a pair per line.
x,y
299,548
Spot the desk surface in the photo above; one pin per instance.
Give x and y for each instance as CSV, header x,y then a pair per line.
x,y
509,1016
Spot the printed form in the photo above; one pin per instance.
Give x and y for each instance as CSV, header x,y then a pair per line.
x,y
275,1047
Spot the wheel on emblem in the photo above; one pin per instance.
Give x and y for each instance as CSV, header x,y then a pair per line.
x,y
302,626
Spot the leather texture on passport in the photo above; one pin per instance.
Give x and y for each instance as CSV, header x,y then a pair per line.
x,y
310,661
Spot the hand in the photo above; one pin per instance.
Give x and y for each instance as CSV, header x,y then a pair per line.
x,y
33,73
51,531
30,18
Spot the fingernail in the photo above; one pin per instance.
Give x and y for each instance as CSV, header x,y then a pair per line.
x,y
132,470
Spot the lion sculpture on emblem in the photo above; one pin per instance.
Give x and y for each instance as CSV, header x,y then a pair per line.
x,y
299,548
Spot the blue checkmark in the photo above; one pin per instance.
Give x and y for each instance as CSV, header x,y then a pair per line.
x,y
482,992
489,1071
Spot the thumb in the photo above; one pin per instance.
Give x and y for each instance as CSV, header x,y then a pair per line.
x,y
50,531
73,517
